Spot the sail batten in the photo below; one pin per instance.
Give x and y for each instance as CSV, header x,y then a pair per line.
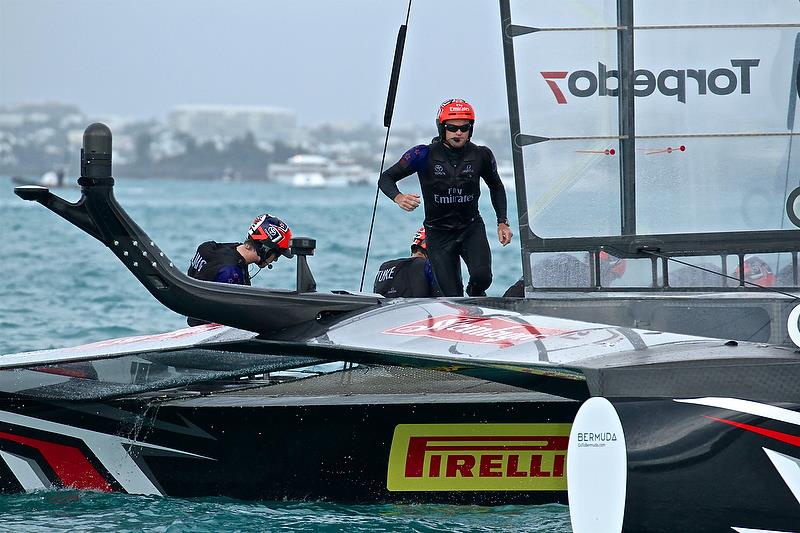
x,y
518,30
525,139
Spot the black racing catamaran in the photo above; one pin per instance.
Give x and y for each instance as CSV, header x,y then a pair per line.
x,y
652,403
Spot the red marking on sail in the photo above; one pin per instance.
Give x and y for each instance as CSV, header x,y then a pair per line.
x,y
69,463
476,329
549,78
667,150
607,151
777,435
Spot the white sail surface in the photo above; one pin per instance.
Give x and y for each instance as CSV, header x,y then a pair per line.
x,y
716,93
715,148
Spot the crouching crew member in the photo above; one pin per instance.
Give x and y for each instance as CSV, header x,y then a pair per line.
x,y
267,239
410,277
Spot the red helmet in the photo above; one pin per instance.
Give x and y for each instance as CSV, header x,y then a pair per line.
x,y
420,241
757,271
454,109
615,266
270,234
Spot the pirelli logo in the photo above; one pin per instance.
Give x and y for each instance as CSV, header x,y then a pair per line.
x,y
519,457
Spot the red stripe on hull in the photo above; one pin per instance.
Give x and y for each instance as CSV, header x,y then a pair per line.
x,y
69,463
777,435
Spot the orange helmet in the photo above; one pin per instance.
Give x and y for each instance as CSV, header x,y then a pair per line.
x,y
454,109
420,241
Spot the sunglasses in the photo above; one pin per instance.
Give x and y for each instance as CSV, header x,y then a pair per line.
x,y
453,128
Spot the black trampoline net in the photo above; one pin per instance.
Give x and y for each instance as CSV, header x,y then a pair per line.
x,y
139,373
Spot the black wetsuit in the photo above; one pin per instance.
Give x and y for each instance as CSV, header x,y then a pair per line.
x,y
450,183
517,290
411,277
218,262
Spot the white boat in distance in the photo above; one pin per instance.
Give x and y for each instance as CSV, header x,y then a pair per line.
x,y
52,179
310,170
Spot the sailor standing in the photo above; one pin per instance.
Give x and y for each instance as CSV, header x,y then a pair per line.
x,y
449,170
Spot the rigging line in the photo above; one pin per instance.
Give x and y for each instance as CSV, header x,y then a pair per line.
x,y
584,28
374,210
767,25
771,25
387,122
768,289
720,135
674,136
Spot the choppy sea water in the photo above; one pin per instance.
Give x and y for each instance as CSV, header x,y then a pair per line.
x,y
99,512
62,288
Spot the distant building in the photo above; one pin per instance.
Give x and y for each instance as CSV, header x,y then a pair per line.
x,y
30,116
224,122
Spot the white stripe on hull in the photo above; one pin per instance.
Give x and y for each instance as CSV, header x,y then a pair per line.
x,y
789,469
746,406
109,449
27,472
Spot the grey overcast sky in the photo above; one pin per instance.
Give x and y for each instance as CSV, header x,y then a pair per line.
x,y
329,60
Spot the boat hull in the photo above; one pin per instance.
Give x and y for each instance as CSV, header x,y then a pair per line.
x,y
445,446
